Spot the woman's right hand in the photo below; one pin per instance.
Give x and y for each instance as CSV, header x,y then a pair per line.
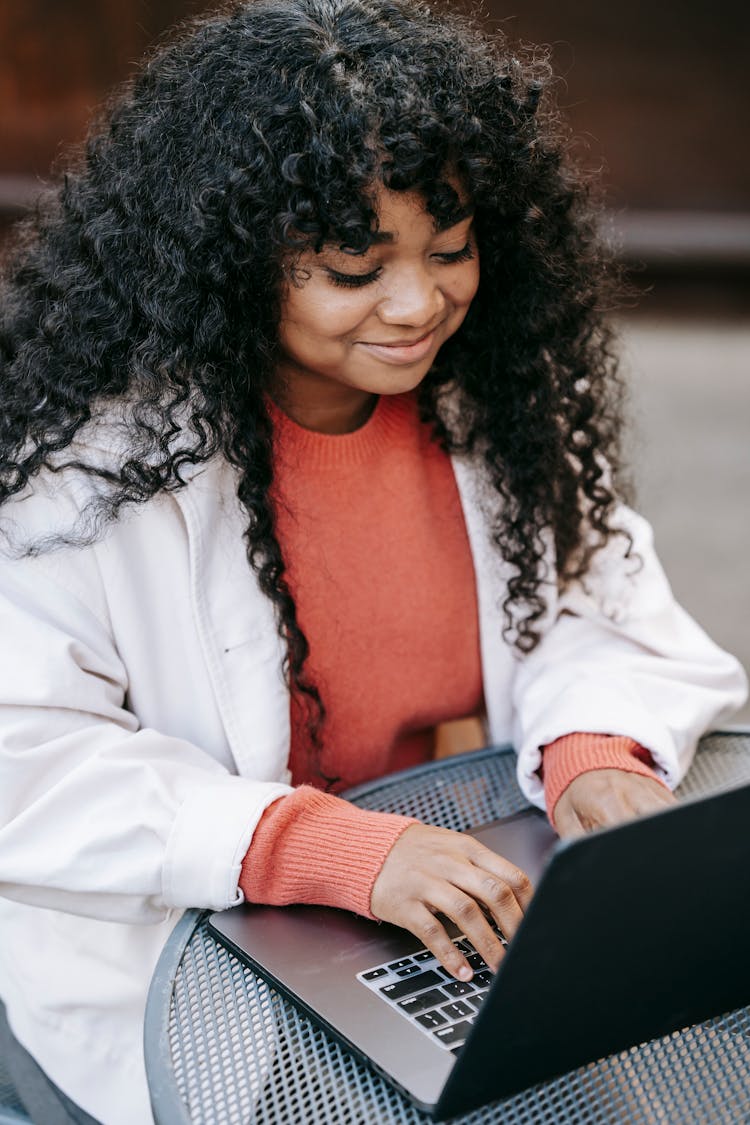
x,y
433,870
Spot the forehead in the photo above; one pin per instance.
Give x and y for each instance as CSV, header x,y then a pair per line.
x,y
390,216
398,211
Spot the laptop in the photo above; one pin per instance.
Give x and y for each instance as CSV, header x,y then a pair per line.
x,y
633,932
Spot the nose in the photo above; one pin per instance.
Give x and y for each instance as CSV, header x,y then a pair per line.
x,y
414,298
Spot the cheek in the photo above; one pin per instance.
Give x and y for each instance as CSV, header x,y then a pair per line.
x,y
319,312
464,288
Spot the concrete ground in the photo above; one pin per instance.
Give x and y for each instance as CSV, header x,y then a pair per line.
x,y
689,450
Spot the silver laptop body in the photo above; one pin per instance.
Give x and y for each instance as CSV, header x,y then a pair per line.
x,y
608,955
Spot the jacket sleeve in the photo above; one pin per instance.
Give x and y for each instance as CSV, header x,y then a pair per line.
x,y
99,816
619,656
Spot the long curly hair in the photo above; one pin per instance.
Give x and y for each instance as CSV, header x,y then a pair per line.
x,y
150,279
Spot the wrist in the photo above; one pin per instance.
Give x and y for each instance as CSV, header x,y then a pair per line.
x,y
312,847
569,757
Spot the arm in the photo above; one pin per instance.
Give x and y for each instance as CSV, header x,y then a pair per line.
x,y
99,816
593,780
316,848
620,657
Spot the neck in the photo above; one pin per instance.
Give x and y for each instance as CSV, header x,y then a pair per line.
x,y
339,411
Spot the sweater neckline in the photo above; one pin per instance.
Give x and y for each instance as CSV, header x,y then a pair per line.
x,y
391,417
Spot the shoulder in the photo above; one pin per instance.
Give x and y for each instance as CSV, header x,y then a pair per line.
x,y
73,500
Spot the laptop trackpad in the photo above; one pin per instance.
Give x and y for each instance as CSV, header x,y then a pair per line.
x,y
526,839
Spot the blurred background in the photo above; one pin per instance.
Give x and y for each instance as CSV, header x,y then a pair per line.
x,y
658,96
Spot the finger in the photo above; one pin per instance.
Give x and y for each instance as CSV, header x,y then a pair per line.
x,y
653,797
567,822
466,912
434,936
605,797
596,808
504,872
491,891
625,801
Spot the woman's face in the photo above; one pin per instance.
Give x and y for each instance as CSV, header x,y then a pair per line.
x,y
358,325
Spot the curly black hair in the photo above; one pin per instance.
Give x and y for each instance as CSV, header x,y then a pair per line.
x,y
150,279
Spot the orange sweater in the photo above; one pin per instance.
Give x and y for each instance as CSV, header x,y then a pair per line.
x,y
380,568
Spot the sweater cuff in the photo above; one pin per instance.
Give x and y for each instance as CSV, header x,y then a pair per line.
x,y
568,757
312,847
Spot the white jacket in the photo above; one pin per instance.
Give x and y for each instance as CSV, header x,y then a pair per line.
x,y
144,728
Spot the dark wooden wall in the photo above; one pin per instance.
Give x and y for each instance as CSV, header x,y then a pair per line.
x,y
659,92
58,60
660,89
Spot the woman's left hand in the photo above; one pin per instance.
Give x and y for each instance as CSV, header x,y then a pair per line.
x,y
599,798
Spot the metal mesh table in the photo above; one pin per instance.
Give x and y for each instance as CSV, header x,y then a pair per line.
x,y
223,1048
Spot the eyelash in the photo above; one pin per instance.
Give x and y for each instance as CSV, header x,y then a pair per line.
x,y
352,280
358,280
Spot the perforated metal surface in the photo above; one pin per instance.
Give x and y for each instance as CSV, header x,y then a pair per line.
x,y
12,1111
239,1053
11,1108
9,1101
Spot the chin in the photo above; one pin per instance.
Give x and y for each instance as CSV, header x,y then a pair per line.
x,y
399,383
392,378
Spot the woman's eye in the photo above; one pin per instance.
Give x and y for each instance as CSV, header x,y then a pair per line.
x,y
353,280
465,254
358,280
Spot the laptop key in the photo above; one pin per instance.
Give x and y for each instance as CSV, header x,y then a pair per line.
x,y
476,961
406,987
411,1005
374,974
395,965
425,955
422,1000
408,971
475,1000
455,1033
454,987
482,980
431,1019
457,1010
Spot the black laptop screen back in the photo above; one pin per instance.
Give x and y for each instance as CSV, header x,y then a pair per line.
x,y
643,933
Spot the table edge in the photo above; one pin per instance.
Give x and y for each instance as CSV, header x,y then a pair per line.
x,y
166,1099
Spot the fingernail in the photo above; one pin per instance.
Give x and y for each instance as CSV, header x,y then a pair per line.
x,y
465,973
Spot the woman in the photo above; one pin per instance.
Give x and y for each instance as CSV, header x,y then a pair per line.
x,y
309,444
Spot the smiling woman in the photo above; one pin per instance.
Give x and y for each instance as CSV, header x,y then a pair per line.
x,y
308,444
353,326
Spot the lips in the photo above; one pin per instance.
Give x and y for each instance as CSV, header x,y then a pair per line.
x,y
403,343
401,351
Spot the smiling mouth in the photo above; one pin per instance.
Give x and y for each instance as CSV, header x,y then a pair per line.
x,y
403,343
402,351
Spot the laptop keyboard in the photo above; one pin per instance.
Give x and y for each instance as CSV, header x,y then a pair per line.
x,y
429,997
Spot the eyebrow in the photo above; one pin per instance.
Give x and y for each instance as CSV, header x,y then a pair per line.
x,y
463,211
379,237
